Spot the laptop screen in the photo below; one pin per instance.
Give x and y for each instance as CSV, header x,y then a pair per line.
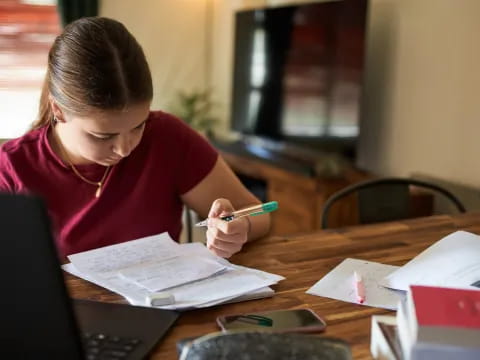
x,y
37,317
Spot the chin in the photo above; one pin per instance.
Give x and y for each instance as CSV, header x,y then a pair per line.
x,y
104,162
110,162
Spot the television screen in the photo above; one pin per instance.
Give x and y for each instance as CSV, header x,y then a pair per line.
x,y
298,73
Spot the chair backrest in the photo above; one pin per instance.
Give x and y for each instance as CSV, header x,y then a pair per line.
x,y
188,224
384,199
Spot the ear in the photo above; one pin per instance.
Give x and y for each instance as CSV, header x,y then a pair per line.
x,y
56,110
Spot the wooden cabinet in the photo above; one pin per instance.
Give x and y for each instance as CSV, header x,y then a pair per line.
x,y
300,196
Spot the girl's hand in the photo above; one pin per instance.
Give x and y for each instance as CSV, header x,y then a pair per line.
x,y
225,238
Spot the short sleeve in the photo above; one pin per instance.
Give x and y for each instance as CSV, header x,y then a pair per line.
x,y
197,158
7,184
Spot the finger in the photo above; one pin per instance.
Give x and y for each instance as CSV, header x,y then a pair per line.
x,y
236,226
239,238
223,241
223,252
220,207
225,247
219,251
214,237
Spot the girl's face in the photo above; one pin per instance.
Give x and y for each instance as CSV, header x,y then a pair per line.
x,y
103,137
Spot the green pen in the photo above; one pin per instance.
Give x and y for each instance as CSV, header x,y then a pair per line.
x,y
255,319
249,211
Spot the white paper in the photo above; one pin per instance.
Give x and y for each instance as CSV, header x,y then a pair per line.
x,y
200,249
251,295
223,288
103,267
172,272
208,292
339,284
134,294
453,261
123,255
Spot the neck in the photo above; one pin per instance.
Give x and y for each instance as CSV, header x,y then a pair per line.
x,y
56,138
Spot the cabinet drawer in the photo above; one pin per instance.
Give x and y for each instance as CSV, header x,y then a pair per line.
x,y
297,208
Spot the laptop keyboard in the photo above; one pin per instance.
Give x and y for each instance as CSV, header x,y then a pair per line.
x,y
104,347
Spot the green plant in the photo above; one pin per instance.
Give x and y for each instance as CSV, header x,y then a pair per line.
x,y
195,108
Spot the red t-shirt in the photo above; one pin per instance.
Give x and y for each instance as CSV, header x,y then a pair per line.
x,y
140,197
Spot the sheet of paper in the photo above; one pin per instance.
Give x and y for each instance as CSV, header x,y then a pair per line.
x,y
208,292
453,261
251,295
100,266
224,287
172,272
115,257
339,284
103,267
134,294
199,249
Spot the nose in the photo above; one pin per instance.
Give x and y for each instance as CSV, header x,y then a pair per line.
x,y
123,146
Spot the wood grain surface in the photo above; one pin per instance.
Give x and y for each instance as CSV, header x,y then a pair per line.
x,y
303,259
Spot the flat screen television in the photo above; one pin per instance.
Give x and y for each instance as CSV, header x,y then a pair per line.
x,y
298,72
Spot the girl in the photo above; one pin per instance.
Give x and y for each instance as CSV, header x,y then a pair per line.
x,y
109,169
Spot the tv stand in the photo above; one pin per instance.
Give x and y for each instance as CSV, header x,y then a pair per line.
x,y
286,149
268,153
294,182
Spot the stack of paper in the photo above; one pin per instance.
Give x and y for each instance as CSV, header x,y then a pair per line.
x,y
453,261
190,272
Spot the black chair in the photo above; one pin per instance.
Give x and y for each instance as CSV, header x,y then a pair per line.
x,y
384,199
188,224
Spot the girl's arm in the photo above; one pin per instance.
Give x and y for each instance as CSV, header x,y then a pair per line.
x,y
222,183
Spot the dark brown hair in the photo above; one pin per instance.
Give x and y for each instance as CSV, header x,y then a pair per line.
x,y
95,64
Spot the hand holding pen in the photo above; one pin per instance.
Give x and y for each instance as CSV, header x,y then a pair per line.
x,y
225,236
253,210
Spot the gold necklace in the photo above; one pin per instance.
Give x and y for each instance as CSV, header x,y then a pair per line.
x,y
99,184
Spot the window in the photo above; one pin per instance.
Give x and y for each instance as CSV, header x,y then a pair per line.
x,y
27,30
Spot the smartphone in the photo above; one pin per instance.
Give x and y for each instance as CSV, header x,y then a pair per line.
x,y
296,320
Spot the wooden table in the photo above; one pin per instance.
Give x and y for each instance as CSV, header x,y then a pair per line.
x,y
303,259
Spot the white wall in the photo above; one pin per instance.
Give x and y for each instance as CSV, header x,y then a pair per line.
x,y
422,92
172,34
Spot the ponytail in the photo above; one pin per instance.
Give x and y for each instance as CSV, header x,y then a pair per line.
x,y
45,113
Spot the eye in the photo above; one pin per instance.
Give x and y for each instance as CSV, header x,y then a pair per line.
x,y
139,127
102,137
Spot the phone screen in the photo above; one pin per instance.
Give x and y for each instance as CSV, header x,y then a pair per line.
x,y
281,320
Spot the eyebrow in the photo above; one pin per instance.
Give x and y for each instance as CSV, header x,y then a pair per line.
x,y
113,134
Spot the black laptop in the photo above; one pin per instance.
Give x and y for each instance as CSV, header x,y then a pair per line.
x,y
38,319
